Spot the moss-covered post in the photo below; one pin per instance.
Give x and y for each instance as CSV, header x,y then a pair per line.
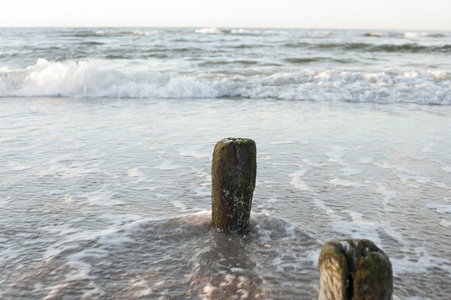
x,y
233,173
354,269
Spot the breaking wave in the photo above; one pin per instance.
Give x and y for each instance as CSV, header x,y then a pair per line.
x,y
99,79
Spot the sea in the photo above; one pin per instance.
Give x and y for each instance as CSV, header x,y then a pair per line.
x,y
106,142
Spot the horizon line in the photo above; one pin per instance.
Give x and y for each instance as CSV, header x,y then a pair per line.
x,y
224,27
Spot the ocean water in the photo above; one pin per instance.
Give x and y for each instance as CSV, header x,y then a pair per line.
x,y
105,157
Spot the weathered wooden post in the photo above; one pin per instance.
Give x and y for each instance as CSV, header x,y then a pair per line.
x,y
233,173
354,269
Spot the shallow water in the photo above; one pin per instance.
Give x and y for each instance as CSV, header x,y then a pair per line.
x,y
110,198
106,143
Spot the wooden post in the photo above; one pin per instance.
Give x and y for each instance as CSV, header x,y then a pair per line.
x,y
233,173
354,269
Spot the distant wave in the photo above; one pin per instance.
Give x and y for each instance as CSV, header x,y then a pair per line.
x,y
405,34
92,43
306,60
434,35
414,48
368,47
421,34
240,31
98,79
222,62
372,34
208,30
83,33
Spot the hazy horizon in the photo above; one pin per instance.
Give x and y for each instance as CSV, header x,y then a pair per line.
x,y
432,15
236,27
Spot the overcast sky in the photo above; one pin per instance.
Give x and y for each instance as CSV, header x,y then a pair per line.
x,y
357,14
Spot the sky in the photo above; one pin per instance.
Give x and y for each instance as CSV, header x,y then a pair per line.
x,y
354,14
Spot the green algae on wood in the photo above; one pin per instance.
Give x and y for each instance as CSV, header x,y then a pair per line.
x,y
354,269
233,173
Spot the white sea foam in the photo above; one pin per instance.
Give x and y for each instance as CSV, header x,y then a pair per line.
x,y
297,182
245,31
393,233
97,78
208,30
167,165
365,160
111,237
329,211
345,183
72,170
102,197
17,166
137,173
336,155
358,228
79,259
326,32
388,195
420,263
405,174
313,164
141,32
258,32
179,204
194,151
347,171
70,236
302,141
411,34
